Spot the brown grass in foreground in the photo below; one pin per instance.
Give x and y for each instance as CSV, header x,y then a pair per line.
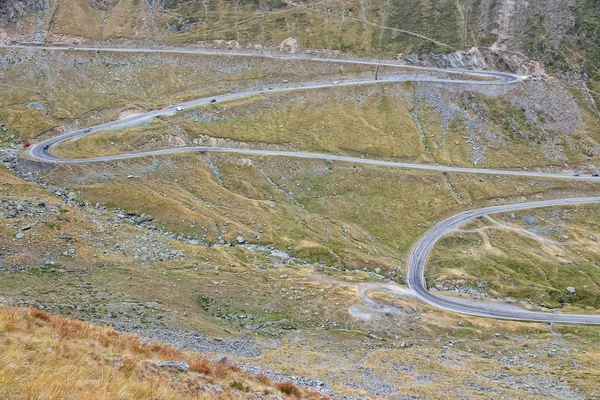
x,y
49,357
289,388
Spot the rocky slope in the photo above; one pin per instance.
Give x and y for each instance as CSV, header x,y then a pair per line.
x,y
560,36
14,10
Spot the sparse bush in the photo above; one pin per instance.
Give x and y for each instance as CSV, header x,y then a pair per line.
x,y
70,329
289,388
202,367
35,313
264,379
240,386
223,369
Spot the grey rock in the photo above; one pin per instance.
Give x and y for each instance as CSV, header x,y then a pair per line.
x,y
36,106
144,218
19,235
240,240
180,365
65,236
530,220
26,227
571,289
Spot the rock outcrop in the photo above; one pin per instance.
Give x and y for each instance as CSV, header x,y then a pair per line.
x,y
13,10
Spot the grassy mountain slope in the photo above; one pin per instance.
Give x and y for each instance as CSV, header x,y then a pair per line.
x,y
561,34
45,356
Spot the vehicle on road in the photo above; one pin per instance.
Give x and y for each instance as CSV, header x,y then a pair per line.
x,y
71,48
87,130
575,174
46,147
178,109
159,108
595,174
26,145
213,100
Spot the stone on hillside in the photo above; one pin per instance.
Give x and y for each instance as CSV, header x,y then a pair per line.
x,y
36,106
19,235
240,240
571,289
180,365
144,218
530,220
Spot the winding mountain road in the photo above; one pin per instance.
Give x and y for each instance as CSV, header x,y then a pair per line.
x,y
415,276
420,252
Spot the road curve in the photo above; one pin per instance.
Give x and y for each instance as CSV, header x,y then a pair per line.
x,y
249,53
419,255
415,275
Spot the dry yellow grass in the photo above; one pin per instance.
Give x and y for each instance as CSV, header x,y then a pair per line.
x,y
48,357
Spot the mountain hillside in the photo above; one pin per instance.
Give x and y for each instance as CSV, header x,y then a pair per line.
x,y
51,357
243,179
562,34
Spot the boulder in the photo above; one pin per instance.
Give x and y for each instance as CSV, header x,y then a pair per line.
x,y
144,218
180,365
530,220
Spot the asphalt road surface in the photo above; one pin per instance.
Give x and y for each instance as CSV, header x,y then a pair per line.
x,y
419,255
415,276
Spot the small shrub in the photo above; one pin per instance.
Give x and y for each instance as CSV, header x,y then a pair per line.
x,y
70,329
239,386
223,369
289,388
202,367
265,380
35,313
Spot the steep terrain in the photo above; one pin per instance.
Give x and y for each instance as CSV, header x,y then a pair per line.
x,y
55,358
294,268
562,35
